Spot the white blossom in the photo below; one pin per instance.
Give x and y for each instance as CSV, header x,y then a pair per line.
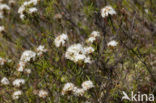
x,y
18,82
146,11
21,9
93,36
43,93
78,52
2,61
88,50
12,2
107,10
40,50
67,88
88,60
1,15
87,85
21,66
22,16
34,2
78,91
16,94
2,28
27,56
28,71
32,10
25,5
5,81
4,7
75,53
91,39
112,43
60,40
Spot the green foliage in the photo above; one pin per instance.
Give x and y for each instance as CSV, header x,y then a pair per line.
x,y
113,70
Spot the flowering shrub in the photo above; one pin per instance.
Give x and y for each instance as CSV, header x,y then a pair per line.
x,y
77,51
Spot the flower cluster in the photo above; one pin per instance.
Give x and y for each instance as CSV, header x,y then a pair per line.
x,y
16,94
87,85
93,37
78,91
107,10
5,81
26,57
112,43
23,7
18,82
60,40
3,7
29,55
40,50
78,53
43,94
70,87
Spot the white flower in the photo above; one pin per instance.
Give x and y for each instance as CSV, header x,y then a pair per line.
x,y
40,50
2,61
1,15
93,37
18,82
5,81
22,16
28,71
34,2
75,53
88,50
78,52
95,34
25,5
112,43
16,94
67,88
4,7
42,93
27,56
2,28
146,11
32,10
12,2
60,40
87,85
90,39
107,10
21,9
78,91
21,66
87,60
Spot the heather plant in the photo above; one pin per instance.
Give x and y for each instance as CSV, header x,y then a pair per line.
x,y
76,51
